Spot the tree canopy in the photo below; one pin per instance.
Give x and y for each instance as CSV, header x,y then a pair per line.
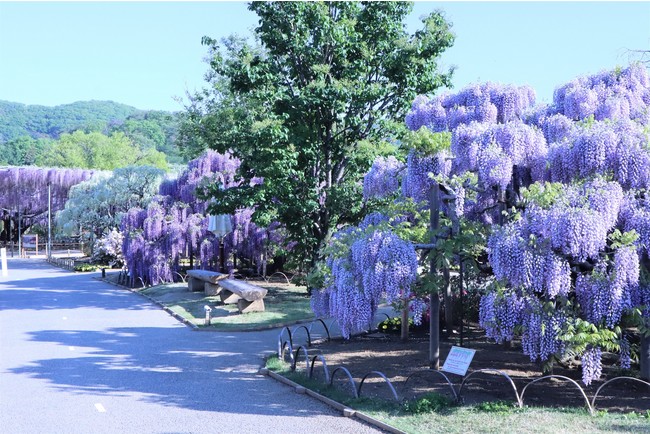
x,y
98,151
97,205
306,108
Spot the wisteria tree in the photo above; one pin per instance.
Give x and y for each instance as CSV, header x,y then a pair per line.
x,y
561,192
95,207
25,195
174,224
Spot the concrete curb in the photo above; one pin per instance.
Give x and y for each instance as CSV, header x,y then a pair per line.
x,y
345,410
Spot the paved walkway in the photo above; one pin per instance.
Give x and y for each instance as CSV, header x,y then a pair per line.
x,y
80,356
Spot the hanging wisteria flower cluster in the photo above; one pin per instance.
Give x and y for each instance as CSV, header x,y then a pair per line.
x,y
487,103
619,148
378,266
617,94
420,168
25,189
383,178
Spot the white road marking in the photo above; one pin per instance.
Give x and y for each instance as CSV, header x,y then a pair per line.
x,y
71,348
100,408
65,317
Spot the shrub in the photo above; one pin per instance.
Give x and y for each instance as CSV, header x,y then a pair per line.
x,y
108,250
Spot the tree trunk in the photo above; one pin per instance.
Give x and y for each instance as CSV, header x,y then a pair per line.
x,y
434,332
434,301
448,299
644,357
264,264
405,321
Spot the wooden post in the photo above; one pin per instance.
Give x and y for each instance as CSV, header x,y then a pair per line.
x,y
20,241
404,335
434,301
460,294
644,358
448,300
222,256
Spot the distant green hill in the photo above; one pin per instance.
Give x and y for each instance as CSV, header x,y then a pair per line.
x,y
37,121
21,124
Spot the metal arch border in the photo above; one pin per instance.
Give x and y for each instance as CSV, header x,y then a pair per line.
x,y
267,279
294,361
281,343
347,373
432,371
180,275
492,371
593,401
325,368
332,321
298,327
327,330
286,345
380,374
374,317
589,406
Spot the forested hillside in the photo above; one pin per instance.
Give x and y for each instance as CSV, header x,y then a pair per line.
x,y
30,132
37,121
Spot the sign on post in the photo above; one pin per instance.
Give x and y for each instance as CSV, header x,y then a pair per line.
x,y
30,241
458,360
3,260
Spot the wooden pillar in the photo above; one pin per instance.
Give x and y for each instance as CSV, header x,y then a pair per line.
x,y
434,301
644,357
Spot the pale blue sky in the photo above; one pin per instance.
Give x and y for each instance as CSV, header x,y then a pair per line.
x,y
145,54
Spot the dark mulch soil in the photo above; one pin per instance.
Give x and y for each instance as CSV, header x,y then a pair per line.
x,y
398,360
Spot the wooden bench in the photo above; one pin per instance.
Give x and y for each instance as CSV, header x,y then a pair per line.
x,y
249,298
204,280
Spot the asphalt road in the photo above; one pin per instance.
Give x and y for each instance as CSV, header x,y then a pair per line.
x,y
80,356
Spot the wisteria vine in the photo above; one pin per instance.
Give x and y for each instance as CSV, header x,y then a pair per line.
x,y
561,189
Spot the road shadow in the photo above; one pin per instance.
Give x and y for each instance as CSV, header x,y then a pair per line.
x,y
168,366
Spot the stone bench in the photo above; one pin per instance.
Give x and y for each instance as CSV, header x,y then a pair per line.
x,y
204,280
249,298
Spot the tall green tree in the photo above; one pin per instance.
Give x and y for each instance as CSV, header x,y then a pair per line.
x,y
304,109
152,130
97,151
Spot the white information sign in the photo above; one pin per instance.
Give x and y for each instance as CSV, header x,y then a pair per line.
x,y
3,259
458,360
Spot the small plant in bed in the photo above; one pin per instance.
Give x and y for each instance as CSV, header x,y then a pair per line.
x,y
84,268
429,403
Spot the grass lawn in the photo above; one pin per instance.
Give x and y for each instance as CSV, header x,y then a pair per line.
x,y
438,415
285,303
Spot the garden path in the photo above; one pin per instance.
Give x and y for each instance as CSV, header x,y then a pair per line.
x,y
79,355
